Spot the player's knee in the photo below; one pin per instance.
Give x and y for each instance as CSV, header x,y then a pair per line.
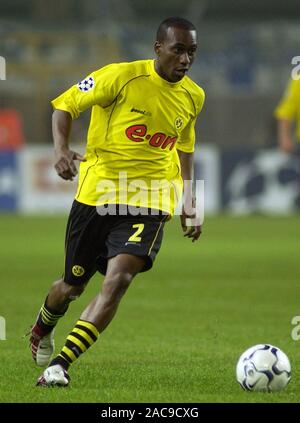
x,y
122,280
116,285
69,292
75,292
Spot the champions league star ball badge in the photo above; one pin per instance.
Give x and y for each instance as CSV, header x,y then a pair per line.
x,y
86,85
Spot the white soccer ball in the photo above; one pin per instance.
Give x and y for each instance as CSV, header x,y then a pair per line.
x,y
263,368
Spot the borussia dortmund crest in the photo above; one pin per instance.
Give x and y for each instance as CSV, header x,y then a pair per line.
x,y
77,270
178,122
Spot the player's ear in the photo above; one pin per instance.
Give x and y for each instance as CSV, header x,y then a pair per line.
x,y
157,47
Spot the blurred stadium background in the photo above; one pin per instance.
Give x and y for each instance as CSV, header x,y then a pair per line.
x,y
244,62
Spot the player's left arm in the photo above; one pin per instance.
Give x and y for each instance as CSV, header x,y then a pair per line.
x,y
286,113
189,221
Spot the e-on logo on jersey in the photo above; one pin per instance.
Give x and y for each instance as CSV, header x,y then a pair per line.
x,y
77,270
138,133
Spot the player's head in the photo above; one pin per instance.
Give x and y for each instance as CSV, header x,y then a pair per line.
x,y
175,48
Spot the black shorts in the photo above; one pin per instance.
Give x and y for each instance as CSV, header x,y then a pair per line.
x,y
91,239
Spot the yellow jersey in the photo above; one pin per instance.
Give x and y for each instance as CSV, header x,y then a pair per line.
x,y
289,106
138,122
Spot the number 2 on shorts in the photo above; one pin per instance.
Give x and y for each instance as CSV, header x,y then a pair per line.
x,y
135,237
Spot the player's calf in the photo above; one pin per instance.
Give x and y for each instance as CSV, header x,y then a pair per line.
x,y
41,336
42,346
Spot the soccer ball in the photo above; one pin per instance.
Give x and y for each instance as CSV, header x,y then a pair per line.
x,y
263,368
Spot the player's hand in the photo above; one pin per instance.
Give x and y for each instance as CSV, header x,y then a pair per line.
x,y
191,225
65,164
287,146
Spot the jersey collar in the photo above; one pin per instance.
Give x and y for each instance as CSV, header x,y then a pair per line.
x,y
161,81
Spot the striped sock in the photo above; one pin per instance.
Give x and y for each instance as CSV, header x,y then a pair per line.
x,y
47,319
78,341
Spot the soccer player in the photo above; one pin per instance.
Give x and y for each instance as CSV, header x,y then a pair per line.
x,y
139,150
287,113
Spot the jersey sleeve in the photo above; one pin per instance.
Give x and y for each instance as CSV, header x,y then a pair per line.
x,y
289,103
99,88
186,141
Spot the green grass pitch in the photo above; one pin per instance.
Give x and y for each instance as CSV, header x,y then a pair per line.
x,y
180,328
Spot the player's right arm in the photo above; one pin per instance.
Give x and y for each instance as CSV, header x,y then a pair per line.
x,y
99,88
285,139
285,114
64,157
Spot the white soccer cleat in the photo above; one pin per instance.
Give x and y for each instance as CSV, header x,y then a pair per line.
x,y
54,376
42,348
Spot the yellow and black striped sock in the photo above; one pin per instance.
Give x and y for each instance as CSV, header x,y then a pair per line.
x,y
48,318
78,341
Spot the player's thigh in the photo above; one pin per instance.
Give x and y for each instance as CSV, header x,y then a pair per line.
x,y
140,236
84,239
125,265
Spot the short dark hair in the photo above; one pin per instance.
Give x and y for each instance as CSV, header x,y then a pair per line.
x,y
173,22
